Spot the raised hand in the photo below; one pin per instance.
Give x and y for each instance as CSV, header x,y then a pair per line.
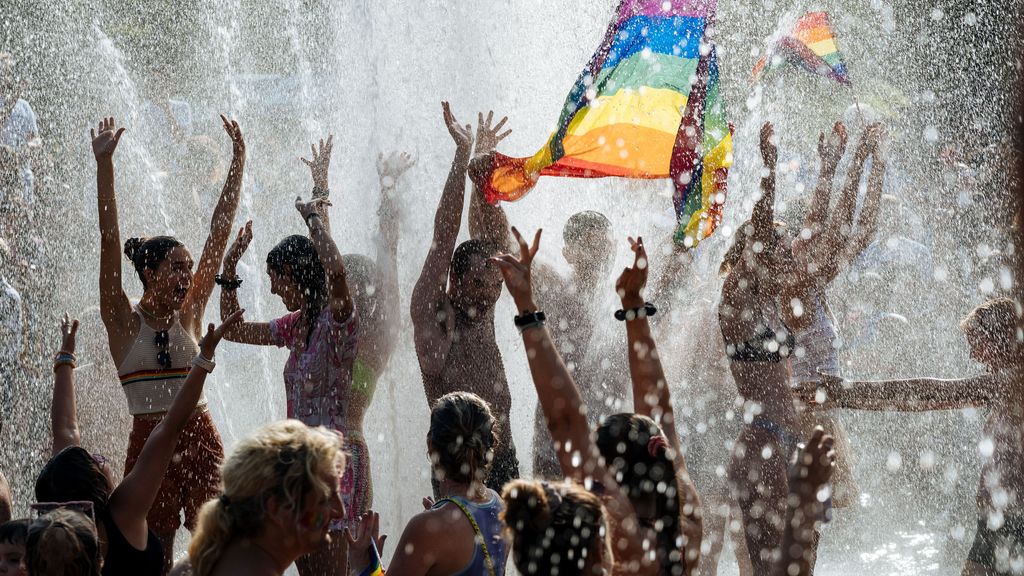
x,y
769,150
208,345
105,139
632,281
68,330
462,134
487,137
320,163
394,164
869,141
517,271
239,246
831,149
307,209
237,141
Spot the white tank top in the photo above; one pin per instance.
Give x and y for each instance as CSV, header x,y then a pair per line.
x,y
149,387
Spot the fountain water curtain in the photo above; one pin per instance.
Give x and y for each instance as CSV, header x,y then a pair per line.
x,y
373,74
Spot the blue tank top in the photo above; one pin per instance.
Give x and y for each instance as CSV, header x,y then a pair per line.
x,y
490,542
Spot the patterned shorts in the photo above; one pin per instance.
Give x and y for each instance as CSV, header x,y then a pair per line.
x,y
356,484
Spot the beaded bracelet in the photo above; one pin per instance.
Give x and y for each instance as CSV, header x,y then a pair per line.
x,y
64,358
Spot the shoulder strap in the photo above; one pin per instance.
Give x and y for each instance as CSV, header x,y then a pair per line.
x,y
476,530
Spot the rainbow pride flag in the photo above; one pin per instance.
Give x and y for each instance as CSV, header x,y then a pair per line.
x,y
812,46
648,105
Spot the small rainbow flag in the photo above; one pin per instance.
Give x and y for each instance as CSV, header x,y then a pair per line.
x,y
812,46
647,105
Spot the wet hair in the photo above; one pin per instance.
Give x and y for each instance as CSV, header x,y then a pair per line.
x,y
645,469
73,475
998,322
462,433
555,528
283,461
62,542
14,532
464,254
148,253
296,258
582,223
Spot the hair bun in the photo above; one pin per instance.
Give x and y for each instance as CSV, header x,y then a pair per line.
x,y
131,247
526,507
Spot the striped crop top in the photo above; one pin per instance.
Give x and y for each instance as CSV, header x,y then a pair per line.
x,y
149,386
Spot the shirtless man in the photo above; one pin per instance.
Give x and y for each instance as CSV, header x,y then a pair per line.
x,y
453,305
576,299
991,332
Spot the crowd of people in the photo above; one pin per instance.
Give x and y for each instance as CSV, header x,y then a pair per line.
x,y
612,490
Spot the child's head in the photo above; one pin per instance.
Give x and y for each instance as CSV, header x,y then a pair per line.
x,y
992,333
63,542
12,547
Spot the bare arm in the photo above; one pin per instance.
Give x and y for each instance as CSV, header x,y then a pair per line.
x,y
115,309
830,150
867,222
911,395
487,222
330,258
651,395
134,496
257,333
389,224
220,230
563,406
841,222
429,293
63,411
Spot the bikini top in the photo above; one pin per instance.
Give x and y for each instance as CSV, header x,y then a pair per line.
x,y
156,366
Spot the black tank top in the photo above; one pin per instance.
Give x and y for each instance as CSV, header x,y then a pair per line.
x,y
123,559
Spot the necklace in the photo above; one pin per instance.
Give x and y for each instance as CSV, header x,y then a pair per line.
x,y
152,316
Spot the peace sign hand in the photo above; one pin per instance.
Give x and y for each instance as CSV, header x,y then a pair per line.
x,y
632,281
516,271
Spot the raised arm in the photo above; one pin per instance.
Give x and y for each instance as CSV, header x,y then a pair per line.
x,y
115,309
134,496
563,406
63,412
220,230
257,333
319,168
763,217
910,395
830,151
840,224
338,294
429,293
867,221
487,222
390,169
651,395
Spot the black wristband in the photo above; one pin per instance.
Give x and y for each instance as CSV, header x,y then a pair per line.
x,y
228,283
310,215
530,319
644,311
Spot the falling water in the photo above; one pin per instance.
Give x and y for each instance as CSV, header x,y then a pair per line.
x,y
373,74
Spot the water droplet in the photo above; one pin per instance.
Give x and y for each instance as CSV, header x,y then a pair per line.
x,y
986,447
894,461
